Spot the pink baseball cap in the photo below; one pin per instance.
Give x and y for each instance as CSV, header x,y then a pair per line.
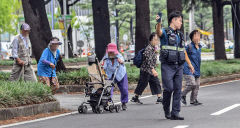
x,y
112,47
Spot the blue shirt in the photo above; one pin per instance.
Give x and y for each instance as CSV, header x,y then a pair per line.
x,y
164,37
44,69
194,55
110,68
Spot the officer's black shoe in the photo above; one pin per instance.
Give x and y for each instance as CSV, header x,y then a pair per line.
x,y
167,115
176,118
196,103
124,106
159,100
183,99
136,100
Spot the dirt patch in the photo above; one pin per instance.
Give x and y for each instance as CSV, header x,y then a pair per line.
x,y
27,118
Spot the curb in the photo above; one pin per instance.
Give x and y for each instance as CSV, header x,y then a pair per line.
x,y
80,88
10,113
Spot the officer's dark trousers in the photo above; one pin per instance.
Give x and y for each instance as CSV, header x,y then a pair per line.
x,y
146,78
172,76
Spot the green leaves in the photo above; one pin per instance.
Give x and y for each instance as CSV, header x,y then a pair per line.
x,y
8,15
13,94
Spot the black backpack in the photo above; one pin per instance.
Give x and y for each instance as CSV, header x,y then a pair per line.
x,y
138,58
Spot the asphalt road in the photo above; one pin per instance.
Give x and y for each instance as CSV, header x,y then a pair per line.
x,y
224,97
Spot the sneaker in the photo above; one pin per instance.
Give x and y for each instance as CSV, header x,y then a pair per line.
x,y
159,100
196,102
136,100
124,106
183,99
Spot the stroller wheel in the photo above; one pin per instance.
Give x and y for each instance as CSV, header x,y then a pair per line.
x,y
85,109
111,108
80,109
117,108
99,109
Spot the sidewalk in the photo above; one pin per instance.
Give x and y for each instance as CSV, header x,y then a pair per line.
x,y
72,101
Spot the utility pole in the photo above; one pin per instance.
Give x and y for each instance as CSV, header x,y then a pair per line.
x,y
52,10
65,29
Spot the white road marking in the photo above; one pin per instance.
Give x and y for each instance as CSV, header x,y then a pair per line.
x,y
75,112
182,126
57,116
225,110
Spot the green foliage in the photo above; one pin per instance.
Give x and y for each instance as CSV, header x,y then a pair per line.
x,y
218,68
157,6
8,15
13,94
207,50
79,77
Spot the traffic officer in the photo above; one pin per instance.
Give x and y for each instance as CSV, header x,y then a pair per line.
x,y
172,57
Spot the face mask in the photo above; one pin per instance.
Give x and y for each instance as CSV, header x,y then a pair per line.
x,y
111,57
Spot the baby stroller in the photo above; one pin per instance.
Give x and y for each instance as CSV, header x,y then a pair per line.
x,y
100,99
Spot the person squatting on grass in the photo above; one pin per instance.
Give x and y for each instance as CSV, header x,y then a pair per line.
x,y
192,79
21,53
148,73
47,64
110,62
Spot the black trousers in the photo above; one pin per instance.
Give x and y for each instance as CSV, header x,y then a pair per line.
x,y
172,76
146,78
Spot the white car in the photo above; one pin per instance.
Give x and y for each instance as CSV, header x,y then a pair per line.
x,y
228,44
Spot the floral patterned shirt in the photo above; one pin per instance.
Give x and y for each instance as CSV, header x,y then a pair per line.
x,y
149,59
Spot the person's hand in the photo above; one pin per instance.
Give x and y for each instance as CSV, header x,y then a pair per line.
x,y
191,69
120,61
52,65
20,62
157,18
155,74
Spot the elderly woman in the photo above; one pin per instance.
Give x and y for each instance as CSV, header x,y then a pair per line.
x,y
47,64
111,60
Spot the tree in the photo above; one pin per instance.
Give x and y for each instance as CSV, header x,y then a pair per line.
x,y
101,26
218,29
69,31
35,15
174,5
236,28
142,24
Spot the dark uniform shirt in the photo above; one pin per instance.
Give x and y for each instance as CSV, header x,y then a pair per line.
x,y
194,55
149,59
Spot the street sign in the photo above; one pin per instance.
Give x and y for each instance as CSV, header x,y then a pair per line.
x,y
125,37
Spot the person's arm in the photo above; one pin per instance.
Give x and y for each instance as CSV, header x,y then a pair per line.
x,y
159,29
120,58
15,52
189,62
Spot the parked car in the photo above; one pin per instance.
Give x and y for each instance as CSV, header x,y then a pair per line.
x,y
130,53
228,44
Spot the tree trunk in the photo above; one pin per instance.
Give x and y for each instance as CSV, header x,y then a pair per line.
x,y
101,26
69,31
117,24
218,27
35,15
142,24
131,30
236,30
174,5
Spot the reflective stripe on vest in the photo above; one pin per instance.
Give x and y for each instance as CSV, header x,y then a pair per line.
x,y
172,48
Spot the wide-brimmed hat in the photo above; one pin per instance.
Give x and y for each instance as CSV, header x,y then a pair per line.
x,y
112,47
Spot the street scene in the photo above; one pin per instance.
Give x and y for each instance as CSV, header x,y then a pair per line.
x,y
119,63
